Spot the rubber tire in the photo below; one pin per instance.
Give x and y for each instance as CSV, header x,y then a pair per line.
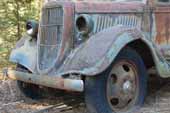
x,y
95,87
29,90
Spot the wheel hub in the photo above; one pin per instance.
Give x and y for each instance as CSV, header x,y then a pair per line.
x,y
127,86
122,86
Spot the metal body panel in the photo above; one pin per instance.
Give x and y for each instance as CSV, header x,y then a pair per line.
x,y
66,43
108,44
162,20
109,7
99,51
45,80
117,25
25,53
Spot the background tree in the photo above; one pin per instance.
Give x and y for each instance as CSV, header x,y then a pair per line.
x,y
13,16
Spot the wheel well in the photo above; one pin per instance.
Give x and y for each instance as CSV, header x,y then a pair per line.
x,y
144,51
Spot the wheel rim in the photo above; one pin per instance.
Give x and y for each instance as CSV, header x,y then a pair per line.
x,y
122,86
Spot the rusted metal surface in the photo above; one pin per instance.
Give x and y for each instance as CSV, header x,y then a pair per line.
x,y
62,38
44,80
162,17
108,7
122,83
115,25
68,50
25,53
99,57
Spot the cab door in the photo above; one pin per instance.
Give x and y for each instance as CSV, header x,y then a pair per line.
x,y
162,27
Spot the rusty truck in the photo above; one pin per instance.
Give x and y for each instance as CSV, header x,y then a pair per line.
x,y
105,49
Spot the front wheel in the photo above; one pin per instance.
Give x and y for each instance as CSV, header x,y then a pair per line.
x,y
119,89
27,89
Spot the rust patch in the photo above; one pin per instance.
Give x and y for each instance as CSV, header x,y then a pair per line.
x,y
107,7
163,28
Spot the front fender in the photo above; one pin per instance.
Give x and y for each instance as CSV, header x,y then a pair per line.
x,y
94,56
25,53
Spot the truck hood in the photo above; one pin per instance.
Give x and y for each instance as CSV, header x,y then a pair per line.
x,y
108,7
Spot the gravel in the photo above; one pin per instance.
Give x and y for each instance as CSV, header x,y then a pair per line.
x,y
12,100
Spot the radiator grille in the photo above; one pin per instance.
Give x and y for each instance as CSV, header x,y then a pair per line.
x,y
50,36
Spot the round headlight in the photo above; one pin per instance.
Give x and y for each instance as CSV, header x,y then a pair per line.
x,y
84,24
32,28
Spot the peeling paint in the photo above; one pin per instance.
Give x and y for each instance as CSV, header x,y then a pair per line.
x,y
116,24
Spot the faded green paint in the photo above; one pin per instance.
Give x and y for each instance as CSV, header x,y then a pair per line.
x,y
110,29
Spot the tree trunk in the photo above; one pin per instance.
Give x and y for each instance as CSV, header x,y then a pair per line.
x,y
18,19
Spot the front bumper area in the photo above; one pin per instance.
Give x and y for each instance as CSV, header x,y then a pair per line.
x,y
44,80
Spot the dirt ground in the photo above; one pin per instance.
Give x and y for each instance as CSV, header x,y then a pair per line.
x,y
12,101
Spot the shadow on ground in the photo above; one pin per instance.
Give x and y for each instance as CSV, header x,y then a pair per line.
x,y
12,101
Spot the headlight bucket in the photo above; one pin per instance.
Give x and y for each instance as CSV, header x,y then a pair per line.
x,y
32,28
84,24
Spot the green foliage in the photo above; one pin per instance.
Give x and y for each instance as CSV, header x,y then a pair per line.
x,y
2,50
13,16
